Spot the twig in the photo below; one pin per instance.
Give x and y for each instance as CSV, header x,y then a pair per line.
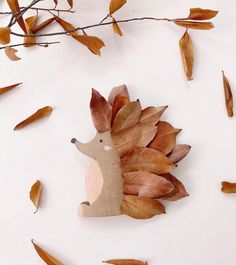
x,y
22,44
41,9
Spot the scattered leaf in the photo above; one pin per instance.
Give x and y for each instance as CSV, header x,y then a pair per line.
x,y
228,187
30,23
127,116
179,152
8,88
118,90
148,133
201,14
165,138
140,207
145,184
101,112
151,115
116,5
47,258
116,28
35,194
11,53
5,35
43,25
39,114
228,96
195,25
145,159
125,262
186,48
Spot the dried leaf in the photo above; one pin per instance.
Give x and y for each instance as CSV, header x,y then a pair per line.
x,y
148,133
47,258
127,116
228,187
39,114
140,207
151,115
145,159
195,25
70,2
67,26
116,5
201,14
100,111
145,184
8,88
11,54
179,191
15,8
43,25
119,102
30,23
179,152
116,28
186,48
228,96
35,194
5,35
165,138
125,262
118,90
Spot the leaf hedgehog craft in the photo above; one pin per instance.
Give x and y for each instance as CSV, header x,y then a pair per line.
x,y
132,155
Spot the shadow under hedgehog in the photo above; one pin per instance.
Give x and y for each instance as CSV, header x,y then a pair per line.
x,y
132,155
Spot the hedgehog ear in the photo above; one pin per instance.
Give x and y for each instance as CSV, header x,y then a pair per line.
x,y
101,112
118,90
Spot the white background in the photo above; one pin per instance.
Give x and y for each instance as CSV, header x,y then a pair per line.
x,y
198,230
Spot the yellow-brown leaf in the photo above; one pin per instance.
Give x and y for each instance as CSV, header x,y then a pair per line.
x,y
186,48
194,24
116,5
125,262
30,23
118,90
8,88
35,193
119,102
228,96
201,14
5,35
39,114
67,26
43,25
116,28
11,54
228,187
151,115
179,152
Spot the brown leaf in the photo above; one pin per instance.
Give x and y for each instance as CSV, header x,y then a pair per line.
x,y
145,184
116,28
119,102
179,152
179,191
39,114
116,5
118,90
127,116
15,8
140,207
67,26
125,262
5,35
43,25
148,133
127,138
228,187
100,111
30,23
195,25
145,159
47,258
228,96
35,194
11,53
151,115
186,48
201,14
70,2
165,138
8,88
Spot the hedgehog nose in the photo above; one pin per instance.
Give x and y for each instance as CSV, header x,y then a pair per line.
x,y
73,140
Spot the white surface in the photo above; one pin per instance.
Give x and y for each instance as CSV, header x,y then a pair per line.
x,y
198,230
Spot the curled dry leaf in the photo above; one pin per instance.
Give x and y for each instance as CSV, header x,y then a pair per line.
x,y
8,88
46,257
11,53
145,159
30,23
186,48
116,5
145,184
118,90
101,112
179,152
39,114
195,25
127,116
165,138
125,262
201,14
140,207
116,28
43,25
228,187
148,133
151,115
119,102
228,96
5,35
35,193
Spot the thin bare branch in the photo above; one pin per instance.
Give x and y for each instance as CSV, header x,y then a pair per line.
x,y
42,44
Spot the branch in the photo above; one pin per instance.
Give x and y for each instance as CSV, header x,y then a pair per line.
x,y
41,9
45,44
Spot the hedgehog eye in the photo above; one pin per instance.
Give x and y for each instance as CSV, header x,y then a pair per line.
x,y
100,140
